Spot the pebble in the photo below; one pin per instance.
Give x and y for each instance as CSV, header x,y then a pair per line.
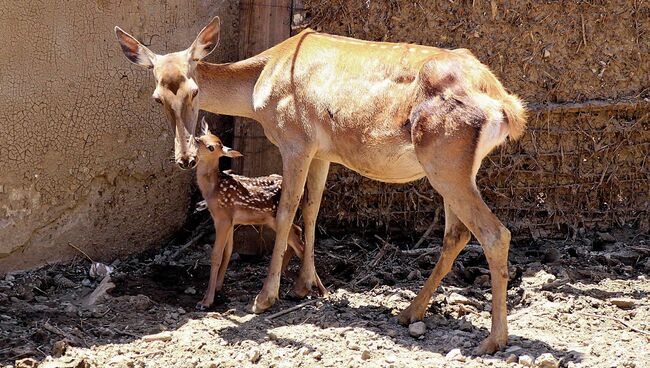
x,y
512,358
365,355
392,333
622,302
254,355
455,354
546,360
483,280
417,329
190,291
10,278
414,275
526,360
513,348
455,298
390,359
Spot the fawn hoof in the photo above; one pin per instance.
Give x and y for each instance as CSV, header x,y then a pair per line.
x,y
491,345
200,307
262,303
304,285
410,315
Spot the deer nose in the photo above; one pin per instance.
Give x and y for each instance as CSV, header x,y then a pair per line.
x,y
191,162
186,163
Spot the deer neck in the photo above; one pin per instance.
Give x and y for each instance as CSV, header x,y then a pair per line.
x,y
207,174
228,88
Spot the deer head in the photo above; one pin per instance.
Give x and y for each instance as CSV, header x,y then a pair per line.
x,y
210,145
176,87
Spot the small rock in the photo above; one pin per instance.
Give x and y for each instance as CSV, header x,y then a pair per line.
x,y
526,360
627,256
63,282
512,358
455,354
365,355
59,348
606,238
317,355
546,360
86,282
254,355
390,359
417,329
551,255
190,291
9,278
513,348
353,346
455,298
482,280
162,336
99,270
40,298
547,54
392,333
623,303
414,275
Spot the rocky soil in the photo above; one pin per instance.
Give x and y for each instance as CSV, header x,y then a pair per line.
x,y
575,303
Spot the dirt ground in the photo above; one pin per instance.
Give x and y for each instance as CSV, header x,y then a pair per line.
x,y
584,301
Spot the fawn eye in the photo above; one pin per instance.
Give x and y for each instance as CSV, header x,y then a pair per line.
x,y
211,148
158,100
195,92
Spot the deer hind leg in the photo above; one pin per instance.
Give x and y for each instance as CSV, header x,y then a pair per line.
x,y
495,241
316,180
294,168
223,229
447,147
456,237
227,254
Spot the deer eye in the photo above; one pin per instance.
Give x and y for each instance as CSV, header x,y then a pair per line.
x,y
211,148
158,100
195,92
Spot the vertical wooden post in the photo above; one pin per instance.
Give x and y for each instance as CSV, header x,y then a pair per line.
x,y
263,23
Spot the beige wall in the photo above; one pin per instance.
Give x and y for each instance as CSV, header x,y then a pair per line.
x,y
83,150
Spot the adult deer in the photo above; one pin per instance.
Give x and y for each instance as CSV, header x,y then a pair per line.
x,y
391,112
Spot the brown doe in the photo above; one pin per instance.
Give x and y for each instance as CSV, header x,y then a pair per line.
x,y
392,112
236,200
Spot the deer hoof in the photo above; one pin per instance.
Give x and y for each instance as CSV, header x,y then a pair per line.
x,y
201,307
410,315
491,345
262,303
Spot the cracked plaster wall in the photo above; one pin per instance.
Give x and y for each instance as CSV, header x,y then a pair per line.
x,y
83,149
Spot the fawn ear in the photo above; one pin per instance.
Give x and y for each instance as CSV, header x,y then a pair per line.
x,y
206,41
229,152
136,52
205,129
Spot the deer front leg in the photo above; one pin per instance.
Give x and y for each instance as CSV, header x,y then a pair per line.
x,y
316,180
294,169
227,253
222,228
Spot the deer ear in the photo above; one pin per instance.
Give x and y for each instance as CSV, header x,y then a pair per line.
x,y
229,152
205,129
206,41
136,52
